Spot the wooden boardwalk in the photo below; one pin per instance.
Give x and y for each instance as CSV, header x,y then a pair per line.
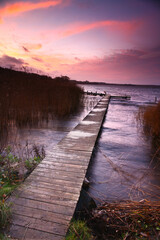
x,y
45,203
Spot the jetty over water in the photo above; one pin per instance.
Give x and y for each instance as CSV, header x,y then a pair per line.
x,y
44,204
119,97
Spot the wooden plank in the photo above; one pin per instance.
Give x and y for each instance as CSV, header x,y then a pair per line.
x,y
53,193
62,157
44,206
64,175
39,224
85,144
30,194
69,154
40,214
62,186
59,151
59,197
61,182
75,163
62,167
19,232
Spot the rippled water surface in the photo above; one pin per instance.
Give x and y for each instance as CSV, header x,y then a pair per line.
x,y
120,167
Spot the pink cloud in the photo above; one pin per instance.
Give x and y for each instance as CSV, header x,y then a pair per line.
x,y
125,66
125,26
16,8
32,46
37,59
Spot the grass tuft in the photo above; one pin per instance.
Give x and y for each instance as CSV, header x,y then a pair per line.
x,y
5,213
79,231
4,237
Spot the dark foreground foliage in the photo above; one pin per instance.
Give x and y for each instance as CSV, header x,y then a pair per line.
x,y
28,99
149,122
126,220
149,119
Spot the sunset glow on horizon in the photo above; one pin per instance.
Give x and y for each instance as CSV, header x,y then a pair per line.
x,y
98,41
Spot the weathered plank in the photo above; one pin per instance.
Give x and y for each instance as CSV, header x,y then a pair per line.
x,y
39,224
58,197
44,204
62,167
50,193
54,199
19,232
40,214
64,175
61,182
62,164
37,204
46,185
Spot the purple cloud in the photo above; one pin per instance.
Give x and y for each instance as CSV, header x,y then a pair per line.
x,y
37,59
25,49
124,66
7,61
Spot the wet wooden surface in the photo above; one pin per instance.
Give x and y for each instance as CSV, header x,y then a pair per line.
x,y
45,203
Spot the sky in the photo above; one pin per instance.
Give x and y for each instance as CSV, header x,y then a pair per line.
x,y
112,41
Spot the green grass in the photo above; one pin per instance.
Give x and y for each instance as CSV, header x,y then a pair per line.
x,y
4,237
6,189
5,213
79,231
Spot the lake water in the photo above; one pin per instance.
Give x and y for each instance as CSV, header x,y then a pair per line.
x,y
120,167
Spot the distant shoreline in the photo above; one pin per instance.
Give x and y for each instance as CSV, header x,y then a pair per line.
x,y
118,84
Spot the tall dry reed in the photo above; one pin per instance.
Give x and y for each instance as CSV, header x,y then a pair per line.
x,y
27,99
149,118
149,121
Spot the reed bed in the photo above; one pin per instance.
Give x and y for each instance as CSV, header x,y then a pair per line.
x,y
28,99
126,220
149,120
132,219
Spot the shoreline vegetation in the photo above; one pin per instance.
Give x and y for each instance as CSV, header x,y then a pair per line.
x,y
148,119
14,170
28,100
127,220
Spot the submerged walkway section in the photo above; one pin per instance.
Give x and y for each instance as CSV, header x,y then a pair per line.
x,y
44,204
